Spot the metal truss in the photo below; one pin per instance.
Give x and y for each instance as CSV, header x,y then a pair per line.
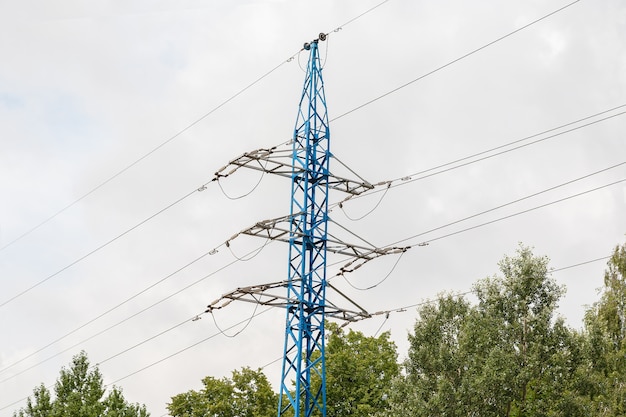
x,y
273,295
285,229
306,161
278,160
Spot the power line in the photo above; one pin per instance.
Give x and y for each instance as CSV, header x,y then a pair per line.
x,y
119,322
460,294
514,142
516,201
146,155
175,136
188,347
455,60
412,177
135,163
386,312
511,215
103,314
580,264
32,287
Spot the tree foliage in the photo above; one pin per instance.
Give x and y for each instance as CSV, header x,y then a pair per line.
x,y
247,394
79,391
359,372
603,380
508,355
511,355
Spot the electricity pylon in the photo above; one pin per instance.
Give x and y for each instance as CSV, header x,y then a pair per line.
x,y
304,356
305,229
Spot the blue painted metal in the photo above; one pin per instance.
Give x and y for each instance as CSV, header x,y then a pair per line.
x,y
303,383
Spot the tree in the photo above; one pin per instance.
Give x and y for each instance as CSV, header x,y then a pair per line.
x,y
359,370
508,355
604,375
79,391
247,394
435,366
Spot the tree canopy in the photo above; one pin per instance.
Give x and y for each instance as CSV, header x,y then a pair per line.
x,y
359,370
247,393
510,354
79,391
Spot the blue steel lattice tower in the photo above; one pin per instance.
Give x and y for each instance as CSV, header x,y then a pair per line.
x,y
303,378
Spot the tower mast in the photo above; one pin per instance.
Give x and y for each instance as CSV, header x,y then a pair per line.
x,y
303,377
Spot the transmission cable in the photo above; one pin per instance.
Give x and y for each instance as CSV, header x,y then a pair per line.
x,y
153,150
340,204
105,313
150,365
516,201
179,200
188,347
426,242
455,60
425,173
115,324
175,136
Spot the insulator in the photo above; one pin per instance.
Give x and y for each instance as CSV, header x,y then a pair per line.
x,y
307,46
322,36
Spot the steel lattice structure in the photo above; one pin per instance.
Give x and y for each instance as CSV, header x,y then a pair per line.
x,y
304,358
303,375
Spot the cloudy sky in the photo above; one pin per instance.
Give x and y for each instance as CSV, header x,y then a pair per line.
x,y
94,97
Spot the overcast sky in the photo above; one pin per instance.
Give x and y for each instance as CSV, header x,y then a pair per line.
x,y
89,88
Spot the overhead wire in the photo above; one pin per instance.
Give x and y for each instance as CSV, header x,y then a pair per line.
x,y
150,365
428,241
420,175
248,256
238,332
103,314
188,347
111,326
459,294
28,289
239,197
146,155
528,138
102,246
456,60
176,135
393,268
143,342
405,308
535,194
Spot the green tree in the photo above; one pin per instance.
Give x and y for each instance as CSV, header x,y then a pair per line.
x,y
247,394
359,370
603,378
79,391
508,355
